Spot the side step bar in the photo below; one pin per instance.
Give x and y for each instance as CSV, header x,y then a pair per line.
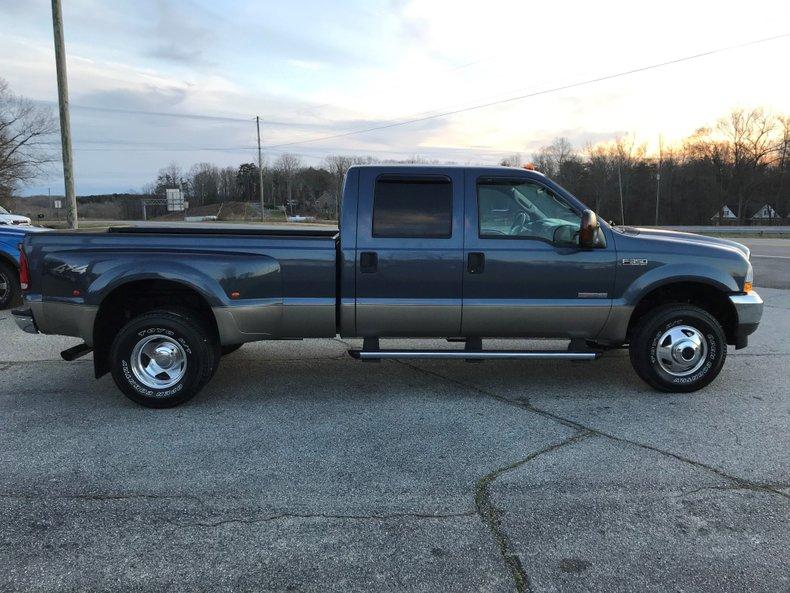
x,y
471,355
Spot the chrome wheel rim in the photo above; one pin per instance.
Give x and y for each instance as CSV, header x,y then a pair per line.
x,y
681,350
158,361
4,286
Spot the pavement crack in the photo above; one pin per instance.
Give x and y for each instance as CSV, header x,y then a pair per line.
x,y
491,515
326,516
101,497
525,404
742,483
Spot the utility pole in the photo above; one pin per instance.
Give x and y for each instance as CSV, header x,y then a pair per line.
x,y
65,124
620,183
260,165
658,175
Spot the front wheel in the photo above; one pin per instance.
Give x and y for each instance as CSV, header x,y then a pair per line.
x,y
678,348
163,358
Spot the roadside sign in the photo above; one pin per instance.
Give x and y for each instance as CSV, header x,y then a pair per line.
x,y
175,200
58,204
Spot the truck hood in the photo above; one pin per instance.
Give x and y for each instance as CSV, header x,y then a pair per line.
x,y
650,233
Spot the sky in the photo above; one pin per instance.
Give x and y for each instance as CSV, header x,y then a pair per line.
x,y
153,81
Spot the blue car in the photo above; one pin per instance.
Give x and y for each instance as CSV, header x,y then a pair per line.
x,y
10,238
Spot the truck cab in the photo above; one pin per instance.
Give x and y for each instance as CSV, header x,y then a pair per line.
x,y
444,251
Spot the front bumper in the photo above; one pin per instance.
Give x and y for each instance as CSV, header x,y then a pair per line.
x,y
24,320
749,308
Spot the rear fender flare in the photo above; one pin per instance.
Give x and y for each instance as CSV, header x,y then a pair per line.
x,y
187,274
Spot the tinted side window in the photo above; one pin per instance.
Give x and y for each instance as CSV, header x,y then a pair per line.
x,y
521,209
413,208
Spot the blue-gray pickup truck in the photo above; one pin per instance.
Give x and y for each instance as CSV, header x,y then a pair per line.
x,y
462,253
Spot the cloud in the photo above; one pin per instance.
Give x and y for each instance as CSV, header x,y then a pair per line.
x,y
179,35
167,75
147,97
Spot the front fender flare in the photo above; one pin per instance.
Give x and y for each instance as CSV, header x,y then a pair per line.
x,y
678,274
615,329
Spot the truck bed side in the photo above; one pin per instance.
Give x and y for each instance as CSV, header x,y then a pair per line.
x,y
256,286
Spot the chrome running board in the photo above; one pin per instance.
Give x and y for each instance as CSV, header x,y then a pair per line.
x,y
471,355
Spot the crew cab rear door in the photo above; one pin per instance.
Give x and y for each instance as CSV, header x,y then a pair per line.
x,y
409,258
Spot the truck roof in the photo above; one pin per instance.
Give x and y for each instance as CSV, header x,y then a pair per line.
x,y
493,169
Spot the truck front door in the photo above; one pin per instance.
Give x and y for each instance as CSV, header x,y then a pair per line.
x,y
519,278
409,258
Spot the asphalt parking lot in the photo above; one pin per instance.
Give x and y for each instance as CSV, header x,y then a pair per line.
x,y
299,469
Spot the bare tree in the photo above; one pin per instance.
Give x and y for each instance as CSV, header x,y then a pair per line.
x,y
745,157
513,160
602,169
170,177
783,167
752,146
288,166
203,184
338,166
24,127
227,184
551,159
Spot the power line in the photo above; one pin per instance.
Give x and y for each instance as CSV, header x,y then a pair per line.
x,y
221,118
152,146
224,118
394,124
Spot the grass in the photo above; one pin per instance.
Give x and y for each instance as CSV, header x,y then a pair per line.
x,y
757,235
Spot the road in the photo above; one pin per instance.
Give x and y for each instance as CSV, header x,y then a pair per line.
x,y
299,469
771,261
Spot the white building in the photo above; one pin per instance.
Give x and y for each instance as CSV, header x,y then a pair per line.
x,y
765,213
724,214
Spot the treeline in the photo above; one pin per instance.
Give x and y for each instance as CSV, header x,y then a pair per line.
x,y
287,184
739,165
742,163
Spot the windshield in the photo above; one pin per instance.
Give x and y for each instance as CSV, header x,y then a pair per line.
x,y
4,211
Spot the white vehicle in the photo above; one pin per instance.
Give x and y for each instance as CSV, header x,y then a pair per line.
x,y
300,218
7,218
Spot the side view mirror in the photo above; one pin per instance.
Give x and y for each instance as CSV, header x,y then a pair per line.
x,y
588,231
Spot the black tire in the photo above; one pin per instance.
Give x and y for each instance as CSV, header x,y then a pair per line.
x,y
680,326
230,349
181,331
10,292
